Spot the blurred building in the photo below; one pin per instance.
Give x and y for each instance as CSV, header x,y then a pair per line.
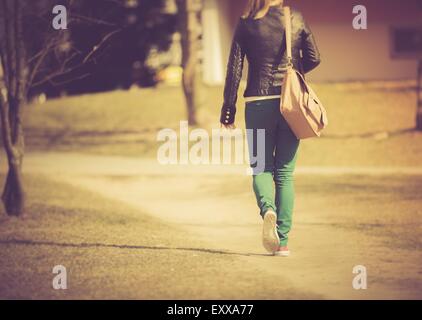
x,y
347,54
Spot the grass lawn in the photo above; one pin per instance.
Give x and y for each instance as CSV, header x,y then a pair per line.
x,y
59,216
371,124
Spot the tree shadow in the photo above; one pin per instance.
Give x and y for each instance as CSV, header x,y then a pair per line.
x,y
125,246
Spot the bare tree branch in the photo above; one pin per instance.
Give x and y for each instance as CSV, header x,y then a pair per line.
x,y
59,83
65,69
98,46
49,43
82,18
41,56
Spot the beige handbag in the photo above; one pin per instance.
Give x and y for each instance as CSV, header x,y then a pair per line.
x,y
300,105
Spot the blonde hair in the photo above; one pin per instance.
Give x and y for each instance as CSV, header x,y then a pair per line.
x,y
258,9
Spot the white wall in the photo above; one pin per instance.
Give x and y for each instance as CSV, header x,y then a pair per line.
x,y
347,54
213,72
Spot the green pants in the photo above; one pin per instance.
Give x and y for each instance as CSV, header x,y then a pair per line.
x,y
281,146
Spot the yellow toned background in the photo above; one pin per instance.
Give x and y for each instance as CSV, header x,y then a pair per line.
x,y
126,227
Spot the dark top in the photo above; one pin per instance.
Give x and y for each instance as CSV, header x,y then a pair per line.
x,y
263,43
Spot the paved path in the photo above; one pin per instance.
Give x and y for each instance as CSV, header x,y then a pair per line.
x,y
204,201
60,162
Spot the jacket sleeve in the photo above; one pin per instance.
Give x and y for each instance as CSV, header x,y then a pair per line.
x,y
233,77
311,57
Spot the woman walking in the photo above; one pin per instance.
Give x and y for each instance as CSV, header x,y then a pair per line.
x,y
260,37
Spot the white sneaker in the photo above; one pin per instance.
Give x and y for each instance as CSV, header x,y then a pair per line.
x,y
270,239
282,252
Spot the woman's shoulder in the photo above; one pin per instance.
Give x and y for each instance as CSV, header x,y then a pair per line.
x,y
275,11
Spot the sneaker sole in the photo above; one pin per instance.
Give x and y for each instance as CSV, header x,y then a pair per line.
x,y
270,239
282,254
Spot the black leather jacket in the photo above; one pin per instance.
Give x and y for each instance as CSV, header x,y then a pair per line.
x,y
263,43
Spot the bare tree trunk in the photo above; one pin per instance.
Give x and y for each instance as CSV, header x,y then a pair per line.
x,y
419,93
13,83
13,194
188,10
15,80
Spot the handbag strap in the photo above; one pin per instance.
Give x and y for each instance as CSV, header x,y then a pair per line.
x,y
288,22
